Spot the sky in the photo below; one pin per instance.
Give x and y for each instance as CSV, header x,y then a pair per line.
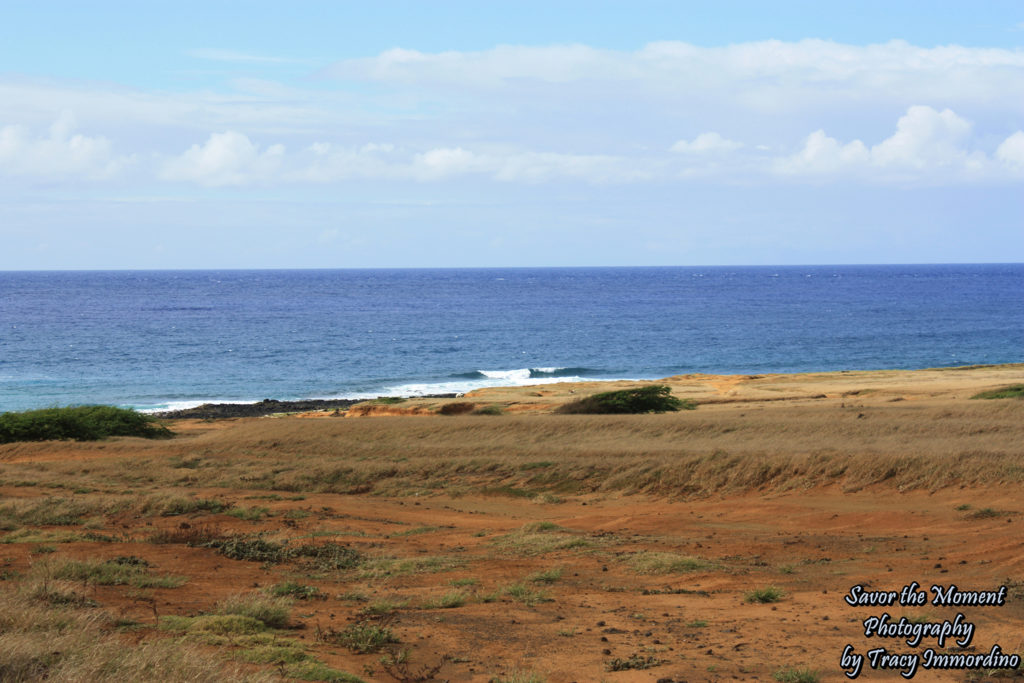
x,y
167,135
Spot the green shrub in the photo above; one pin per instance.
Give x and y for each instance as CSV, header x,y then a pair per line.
x,y
656,398
457,408
324,556
489,410
765,595
78,423
363,637
1012,391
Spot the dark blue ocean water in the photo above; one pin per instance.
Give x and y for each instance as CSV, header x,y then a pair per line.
x,y
175,338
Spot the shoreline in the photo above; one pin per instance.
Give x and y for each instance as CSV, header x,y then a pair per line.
x,y
705,389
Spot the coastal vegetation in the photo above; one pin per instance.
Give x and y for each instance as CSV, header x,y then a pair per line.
x,y
78,423
655,398
1014,391
297,548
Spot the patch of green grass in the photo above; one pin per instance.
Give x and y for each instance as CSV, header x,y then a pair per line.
x,y
796,676
528,595
650,562
520,677
218,624
489,410
185,506
292,589
312,670
388,400
361,637
415,531
33,536
449,600
963,508
253,514
58,596
765,595
382,607
274,612
697,623
117,572
656,398
79,423
461,583
1012,391
545,576
283,652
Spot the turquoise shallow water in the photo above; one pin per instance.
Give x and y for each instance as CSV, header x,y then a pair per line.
x,y
176,338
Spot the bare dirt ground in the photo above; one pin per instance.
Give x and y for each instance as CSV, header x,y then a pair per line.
x,y
707,545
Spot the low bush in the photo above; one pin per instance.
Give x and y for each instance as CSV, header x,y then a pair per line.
x,y
457,408
489,410
78,423
765,595
1013,391
656,398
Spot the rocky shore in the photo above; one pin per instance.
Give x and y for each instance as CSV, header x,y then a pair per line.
x,y
215,411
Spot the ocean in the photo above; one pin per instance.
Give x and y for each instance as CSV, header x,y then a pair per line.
x,y
156,340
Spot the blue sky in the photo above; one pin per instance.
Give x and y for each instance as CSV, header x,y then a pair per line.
x,y
415,134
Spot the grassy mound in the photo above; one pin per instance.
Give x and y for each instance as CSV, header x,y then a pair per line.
x,y
80,423
1012,391
656,398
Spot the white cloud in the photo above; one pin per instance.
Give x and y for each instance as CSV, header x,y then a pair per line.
x,y
928,145
706,142
228,158
62,154
1011,151
924,137
767,75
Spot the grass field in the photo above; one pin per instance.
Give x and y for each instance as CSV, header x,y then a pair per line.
x,y
522,545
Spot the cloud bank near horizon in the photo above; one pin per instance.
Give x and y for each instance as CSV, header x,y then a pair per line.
x,y
807,151
770,111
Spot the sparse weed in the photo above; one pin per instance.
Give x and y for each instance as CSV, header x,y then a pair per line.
x,y
796,676
253,514
291,589
634,661
528,595
274,612
449,600
361,637
765,595
546,576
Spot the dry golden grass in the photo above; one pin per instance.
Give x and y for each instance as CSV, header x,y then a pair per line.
x,y
729,449
46,633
